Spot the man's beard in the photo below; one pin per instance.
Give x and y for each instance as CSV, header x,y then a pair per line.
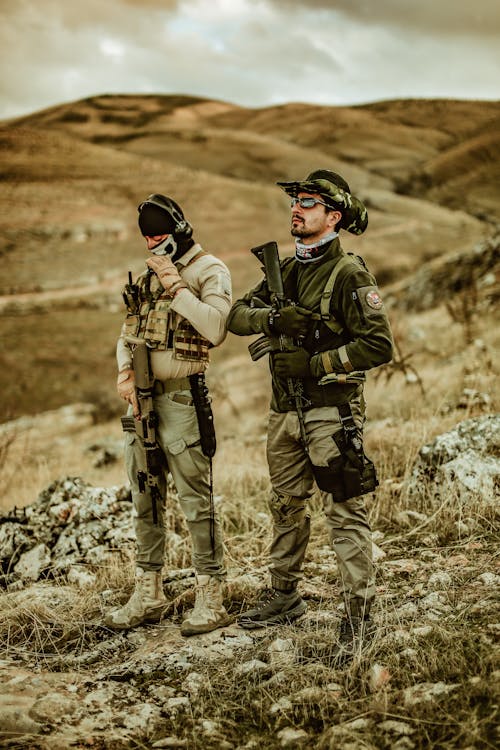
x,y
300,231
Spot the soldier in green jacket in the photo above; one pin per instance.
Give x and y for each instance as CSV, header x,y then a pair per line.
x,y
336,317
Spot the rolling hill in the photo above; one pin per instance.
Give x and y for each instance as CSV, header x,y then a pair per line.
x,y
72,176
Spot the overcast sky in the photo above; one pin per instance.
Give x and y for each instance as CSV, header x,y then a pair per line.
x,y
250,52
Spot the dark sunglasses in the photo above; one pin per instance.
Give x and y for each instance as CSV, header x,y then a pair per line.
x,y
306,202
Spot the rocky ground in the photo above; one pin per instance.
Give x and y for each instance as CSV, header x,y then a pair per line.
x,y
428,680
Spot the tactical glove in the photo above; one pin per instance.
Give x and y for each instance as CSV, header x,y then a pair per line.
x,y
294,364
291,321
168,274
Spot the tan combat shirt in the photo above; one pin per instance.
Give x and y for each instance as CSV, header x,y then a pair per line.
x,y
205,304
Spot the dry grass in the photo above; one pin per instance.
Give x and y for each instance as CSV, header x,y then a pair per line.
x,y
55,626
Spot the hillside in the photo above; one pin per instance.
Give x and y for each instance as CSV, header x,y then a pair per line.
x,y
72,176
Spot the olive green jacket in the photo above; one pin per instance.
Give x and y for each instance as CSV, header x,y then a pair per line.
x,y
364,342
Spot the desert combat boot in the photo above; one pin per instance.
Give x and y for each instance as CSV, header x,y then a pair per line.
x,y
273,608
147,602
208,612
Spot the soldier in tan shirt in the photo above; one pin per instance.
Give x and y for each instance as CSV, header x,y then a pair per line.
x,y
180,308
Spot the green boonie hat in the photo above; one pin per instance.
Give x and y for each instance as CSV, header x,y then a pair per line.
x,y
335,190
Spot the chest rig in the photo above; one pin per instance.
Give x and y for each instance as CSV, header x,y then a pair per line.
x,y
150,317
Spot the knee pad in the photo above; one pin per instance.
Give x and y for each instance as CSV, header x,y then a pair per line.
x,y
287,510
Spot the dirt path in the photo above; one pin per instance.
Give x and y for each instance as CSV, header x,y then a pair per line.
x,y
29,301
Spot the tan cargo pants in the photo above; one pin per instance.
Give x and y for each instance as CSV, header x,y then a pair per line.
x,y
179,437
293,484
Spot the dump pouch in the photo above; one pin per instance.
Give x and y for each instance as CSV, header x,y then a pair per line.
x,y
329,478
344,480
204,414
352,473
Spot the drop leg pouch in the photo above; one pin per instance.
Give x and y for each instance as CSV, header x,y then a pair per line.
x,y
344,479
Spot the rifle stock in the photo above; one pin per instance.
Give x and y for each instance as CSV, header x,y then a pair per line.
x,y
145,425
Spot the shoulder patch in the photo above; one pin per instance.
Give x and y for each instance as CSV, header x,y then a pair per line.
x,y
373,299
370,300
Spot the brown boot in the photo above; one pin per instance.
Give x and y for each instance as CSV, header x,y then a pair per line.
x,y
146,603
208,612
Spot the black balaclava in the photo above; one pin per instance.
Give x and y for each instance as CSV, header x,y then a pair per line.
x,y
154,220
158,215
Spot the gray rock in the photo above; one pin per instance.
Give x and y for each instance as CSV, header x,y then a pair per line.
x,y
252,668
194,683
81,577
15,722
465,458
291,737
440,580
281,653
441,277
71,523
32,563
13,537
282,706
489,579
396,727
53,708
142,718
426,692
178,705
422,631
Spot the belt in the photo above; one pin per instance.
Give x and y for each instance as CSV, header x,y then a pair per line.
x,y
329,395
172,384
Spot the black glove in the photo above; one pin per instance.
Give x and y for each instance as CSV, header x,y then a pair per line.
x,y
294,364
291,321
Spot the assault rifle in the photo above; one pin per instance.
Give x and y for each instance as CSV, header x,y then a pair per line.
x,y
146,423
268,255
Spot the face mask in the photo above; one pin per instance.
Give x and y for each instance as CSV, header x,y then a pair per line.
x,y
167,247
310,253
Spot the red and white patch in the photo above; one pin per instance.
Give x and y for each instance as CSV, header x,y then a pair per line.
x,y
373,299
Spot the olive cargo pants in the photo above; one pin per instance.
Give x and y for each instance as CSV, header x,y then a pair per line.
x,y
179,437
292,486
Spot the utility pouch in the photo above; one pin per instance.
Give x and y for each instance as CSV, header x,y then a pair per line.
x,y
352,473
157,326
128,424
344,480
204,414
329,478
131,325
189,344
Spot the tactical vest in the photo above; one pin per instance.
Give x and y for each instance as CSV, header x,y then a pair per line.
x,y
152,319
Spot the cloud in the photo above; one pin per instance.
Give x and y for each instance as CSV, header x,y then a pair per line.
x,y
444,17
250,52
